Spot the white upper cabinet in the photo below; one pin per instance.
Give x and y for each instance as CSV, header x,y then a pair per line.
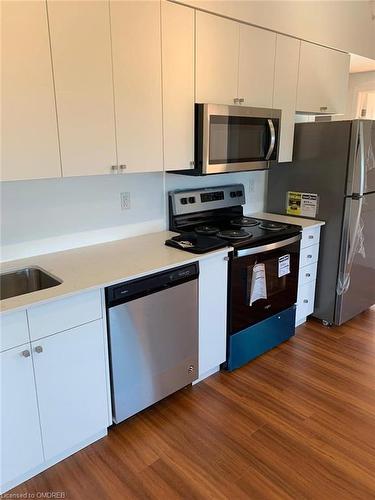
x,y
285,91
256,66
136,48
178,85
30,147
81,53
323,80
217,45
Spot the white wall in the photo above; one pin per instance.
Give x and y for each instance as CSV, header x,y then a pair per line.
x,y
344,25
358,82
49,215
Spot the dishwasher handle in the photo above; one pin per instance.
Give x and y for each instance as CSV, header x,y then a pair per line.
x,y
140,287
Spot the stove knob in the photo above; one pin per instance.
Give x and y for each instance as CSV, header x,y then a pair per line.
x,y
192,199
233,194
239,193
183,201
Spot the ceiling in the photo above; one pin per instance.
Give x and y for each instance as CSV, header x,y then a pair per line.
x,y
359,64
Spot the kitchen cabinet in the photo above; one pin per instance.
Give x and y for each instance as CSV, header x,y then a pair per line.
x,y
70,378
308,264
217,46
285,91
178,31
213,278
136,48
30,148
21,444
323,80
256,66
55,389
81,54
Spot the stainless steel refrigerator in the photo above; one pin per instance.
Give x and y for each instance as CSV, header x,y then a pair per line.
x,y
336,160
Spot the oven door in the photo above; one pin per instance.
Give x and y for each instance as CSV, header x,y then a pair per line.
x,y
236,138
263,281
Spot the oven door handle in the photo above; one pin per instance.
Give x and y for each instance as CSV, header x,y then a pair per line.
x,y
272,139
267,248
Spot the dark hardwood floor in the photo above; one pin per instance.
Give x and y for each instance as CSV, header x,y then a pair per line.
x,y
298,422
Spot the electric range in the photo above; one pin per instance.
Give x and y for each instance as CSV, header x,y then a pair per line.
x,y
262,267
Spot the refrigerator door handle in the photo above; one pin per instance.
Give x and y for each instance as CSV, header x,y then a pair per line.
x,y
354,240
362,160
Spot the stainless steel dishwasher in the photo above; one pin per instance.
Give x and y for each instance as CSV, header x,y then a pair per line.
x,y
153,338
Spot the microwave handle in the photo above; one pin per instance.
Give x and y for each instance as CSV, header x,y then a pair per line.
x,y
272,140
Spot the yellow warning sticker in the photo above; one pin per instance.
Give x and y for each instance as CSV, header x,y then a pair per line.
x,y
302,204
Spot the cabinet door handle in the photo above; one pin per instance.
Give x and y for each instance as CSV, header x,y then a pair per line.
x,y
323,108
192,163
38,349
114,169
311,237
25,353
309,256
241,100
123,167
305,301
236,100
307,275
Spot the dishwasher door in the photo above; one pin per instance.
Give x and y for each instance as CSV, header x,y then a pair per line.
x,y
153,347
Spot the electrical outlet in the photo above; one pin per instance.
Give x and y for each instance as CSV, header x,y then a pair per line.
x,y
251,186
125,200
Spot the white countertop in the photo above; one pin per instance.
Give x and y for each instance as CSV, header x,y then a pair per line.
x,y
288,219
101,265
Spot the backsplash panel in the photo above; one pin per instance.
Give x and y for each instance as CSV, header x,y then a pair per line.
x,y
49,215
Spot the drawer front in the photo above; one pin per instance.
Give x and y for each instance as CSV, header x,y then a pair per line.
x,y
309,256
13,330
310,236
63,314
305,300
307,274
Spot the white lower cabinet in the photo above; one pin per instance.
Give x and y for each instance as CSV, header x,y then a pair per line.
x,y
213,278
54,389
308,264
21,443
71,384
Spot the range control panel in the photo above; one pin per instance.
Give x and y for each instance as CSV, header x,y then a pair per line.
x,y
198,200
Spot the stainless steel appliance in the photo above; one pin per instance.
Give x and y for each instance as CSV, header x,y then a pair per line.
x,y
336,160
153,338
262,250
234,138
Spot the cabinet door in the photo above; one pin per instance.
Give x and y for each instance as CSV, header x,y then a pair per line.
x,y
212,312
178,85
81,53
323,79
137,82
71,382
30,147
285,91
21,444
256,66
217,45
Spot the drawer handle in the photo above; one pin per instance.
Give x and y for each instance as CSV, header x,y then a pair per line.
x,y
309,256
311,236
307,275
305,301
323,108
25,353
38,349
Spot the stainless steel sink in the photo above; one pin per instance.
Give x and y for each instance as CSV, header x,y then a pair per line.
x,y
24,281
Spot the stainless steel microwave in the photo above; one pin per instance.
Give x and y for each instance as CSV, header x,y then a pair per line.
x,y
234,139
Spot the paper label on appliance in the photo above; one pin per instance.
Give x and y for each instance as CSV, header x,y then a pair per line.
x,y
284,265
303,204
258,284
